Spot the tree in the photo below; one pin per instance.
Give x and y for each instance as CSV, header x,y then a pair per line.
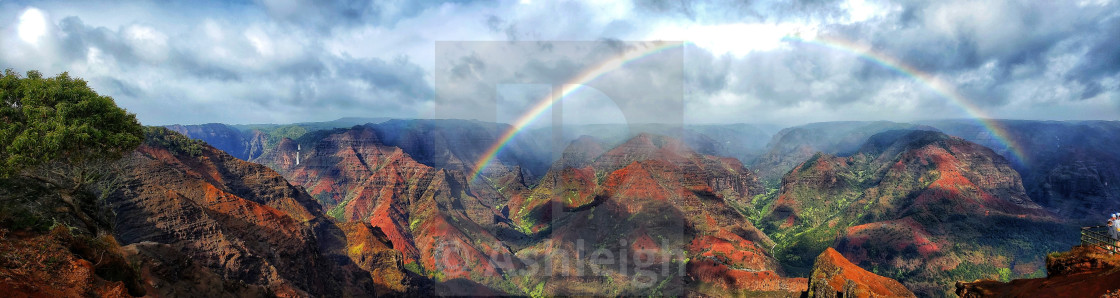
x,y
59,131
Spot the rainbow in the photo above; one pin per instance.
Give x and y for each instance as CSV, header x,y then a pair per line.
x,y
862,51
936,84
547,102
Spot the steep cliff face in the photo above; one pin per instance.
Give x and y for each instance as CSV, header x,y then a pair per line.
x,y
251,141
1084,271
923,207
239,220
1070,167
428,214
835,276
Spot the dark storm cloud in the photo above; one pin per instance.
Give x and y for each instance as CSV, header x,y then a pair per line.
x,y
123,87
706,73
942,36
78,38
1101,60
499,25
400,76
467,67
324,15
1015,33
495,23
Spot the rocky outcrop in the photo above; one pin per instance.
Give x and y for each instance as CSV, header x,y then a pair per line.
x,y
1084,271
835,276
58,264
168,272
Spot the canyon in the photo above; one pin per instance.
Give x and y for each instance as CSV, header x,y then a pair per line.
x,y
392,207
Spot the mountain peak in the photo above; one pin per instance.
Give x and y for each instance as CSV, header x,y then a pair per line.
x,y
644,146
581,152
894,141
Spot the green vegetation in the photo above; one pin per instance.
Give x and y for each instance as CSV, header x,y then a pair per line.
x,y
538,291
824,212
414,267
173,141
288,131
972,271
60,132
527,224
1004,274
23,207
832,194
59,119
58,163
413,223
759,204
338,211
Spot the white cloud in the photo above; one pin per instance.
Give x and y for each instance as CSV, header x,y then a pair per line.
x,y
862,10
735,39
148,42
288,61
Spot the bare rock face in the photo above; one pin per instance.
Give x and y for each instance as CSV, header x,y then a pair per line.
x,y
58,264
835,276
169,272
239,220
371,251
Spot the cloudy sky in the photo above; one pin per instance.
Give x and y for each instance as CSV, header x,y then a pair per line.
x,y
282,61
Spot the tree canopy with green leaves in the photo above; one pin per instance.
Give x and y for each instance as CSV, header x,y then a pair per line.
x,y
59,119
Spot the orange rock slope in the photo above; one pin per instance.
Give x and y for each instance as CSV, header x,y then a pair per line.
x,y
925,207
650,195
835,276
239,220
428,214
